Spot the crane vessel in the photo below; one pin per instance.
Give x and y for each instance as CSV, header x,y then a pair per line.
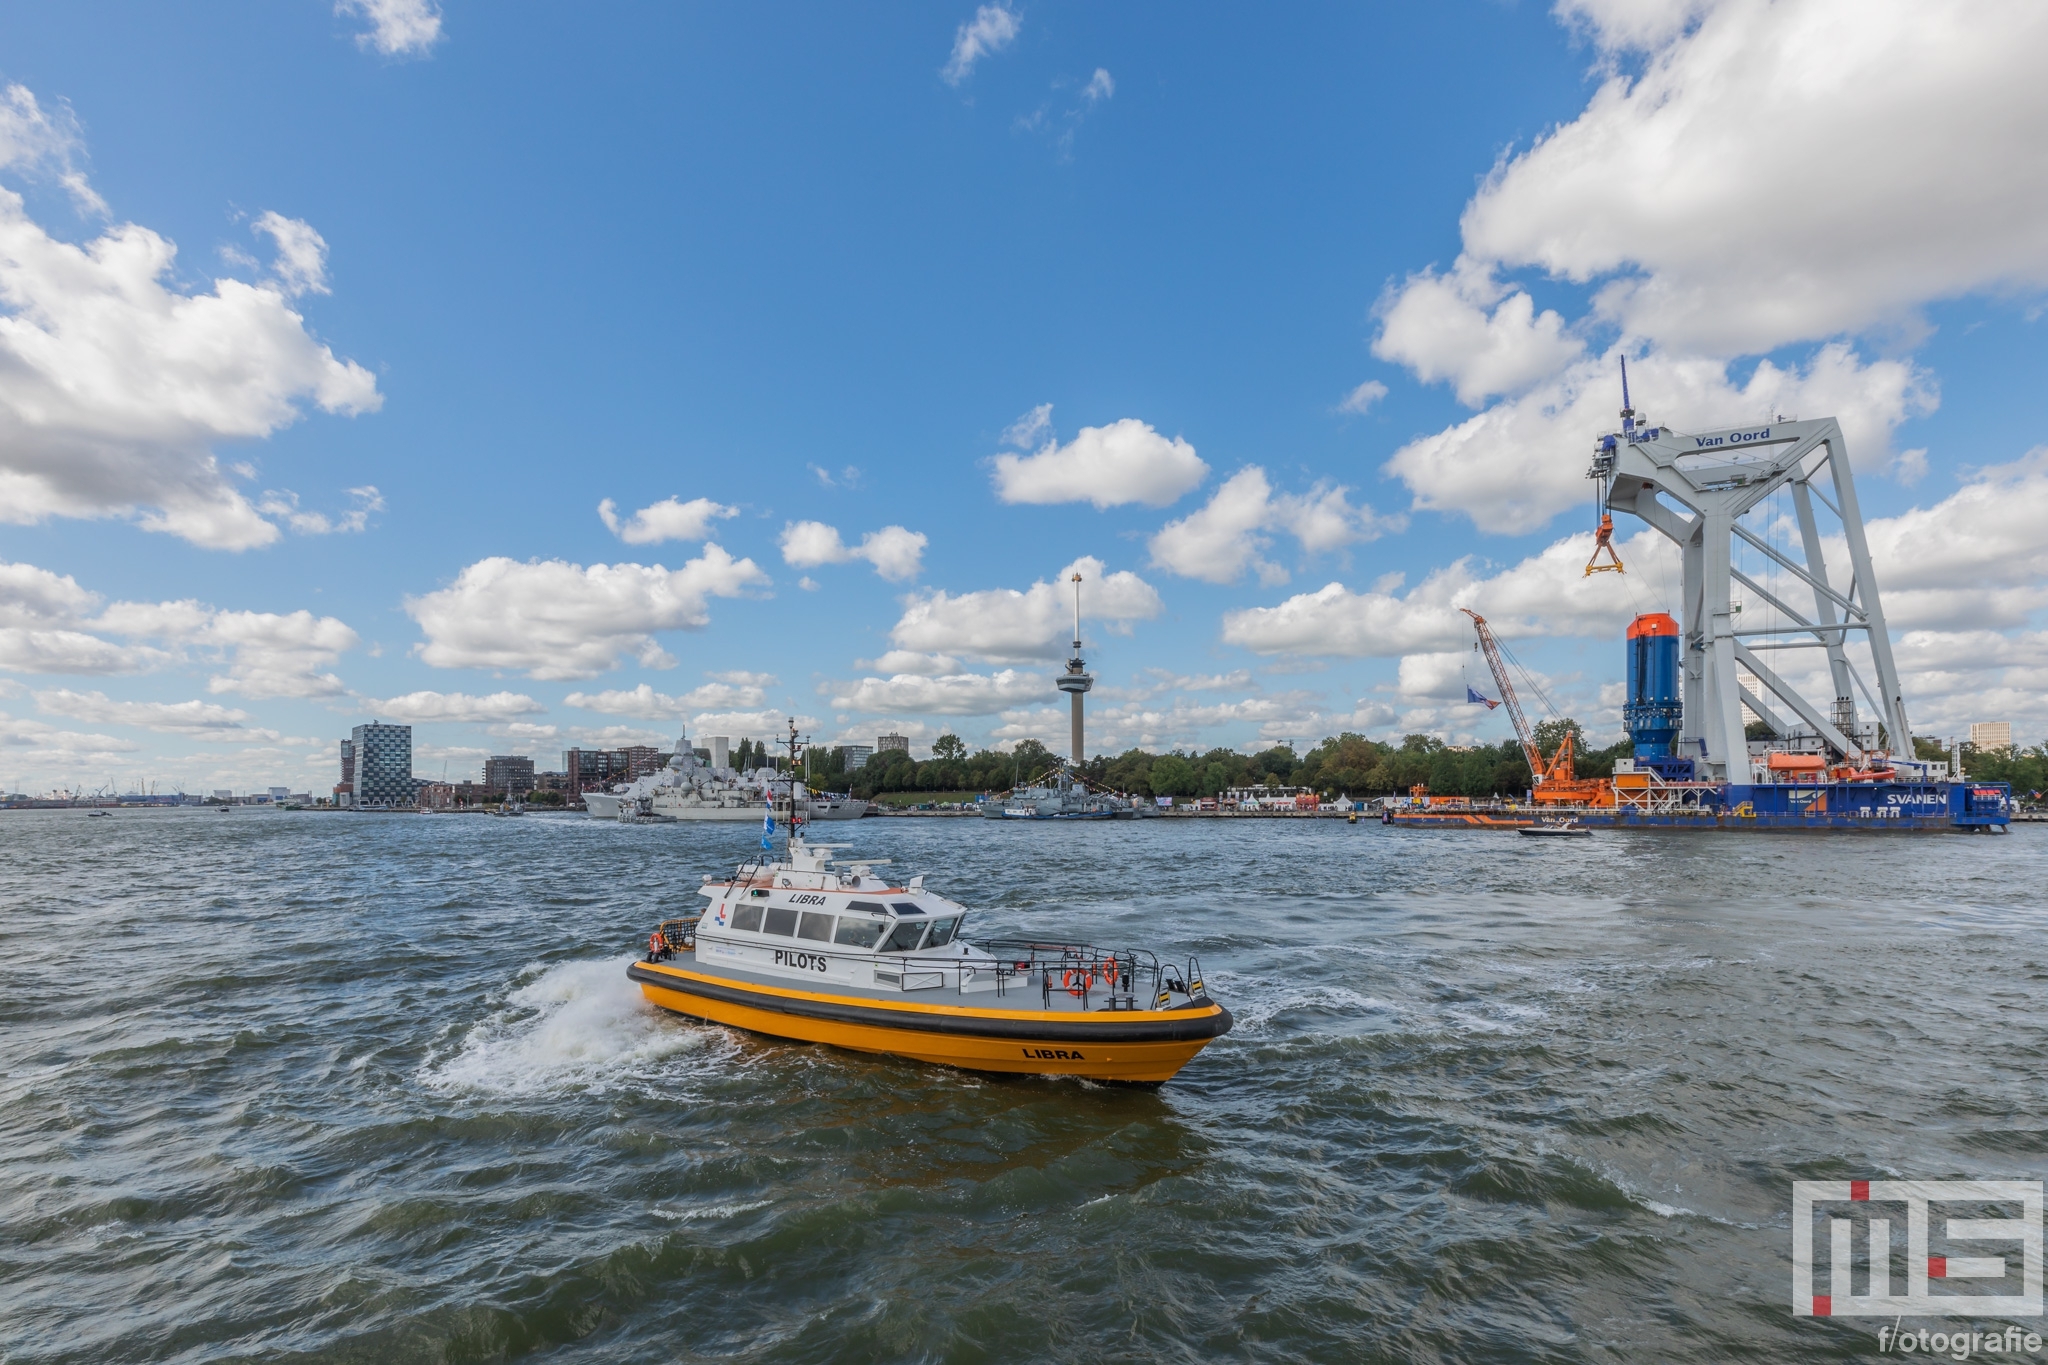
x,y
1694,765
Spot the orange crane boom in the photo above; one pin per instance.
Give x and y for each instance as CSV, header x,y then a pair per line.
x,y
1507,693
1553,783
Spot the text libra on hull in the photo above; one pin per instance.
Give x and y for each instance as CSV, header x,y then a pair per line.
x,y
802,949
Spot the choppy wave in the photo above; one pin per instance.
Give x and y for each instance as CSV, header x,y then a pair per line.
x,y
352,1108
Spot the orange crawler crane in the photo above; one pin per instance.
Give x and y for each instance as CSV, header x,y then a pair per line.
x,y
1557,782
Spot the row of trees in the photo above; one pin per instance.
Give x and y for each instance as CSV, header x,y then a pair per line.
x,y
1347,763
2026,770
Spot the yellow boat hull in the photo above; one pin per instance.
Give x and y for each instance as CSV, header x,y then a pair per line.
x,y
1141,1047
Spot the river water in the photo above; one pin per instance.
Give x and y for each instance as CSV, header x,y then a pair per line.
x,y
280,1086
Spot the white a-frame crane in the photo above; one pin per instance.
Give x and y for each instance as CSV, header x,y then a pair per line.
x,y
1696,488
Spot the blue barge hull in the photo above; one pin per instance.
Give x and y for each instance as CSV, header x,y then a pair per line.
x,y
1875,807
1880,807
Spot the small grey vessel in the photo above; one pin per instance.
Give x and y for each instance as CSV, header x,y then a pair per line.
x,y
1063,798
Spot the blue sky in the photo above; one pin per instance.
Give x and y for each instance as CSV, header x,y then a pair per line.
x,y
825,265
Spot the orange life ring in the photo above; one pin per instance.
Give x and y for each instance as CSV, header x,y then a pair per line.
x,y
1075,981
657,944
1109,971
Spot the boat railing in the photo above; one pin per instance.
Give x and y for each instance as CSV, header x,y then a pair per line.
x,y
680,935
1094,978
1119,978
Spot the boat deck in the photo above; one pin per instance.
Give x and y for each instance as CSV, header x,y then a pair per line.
x,y
976,983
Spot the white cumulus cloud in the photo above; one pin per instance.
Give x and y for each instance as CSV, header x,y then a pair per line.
x,y
1466,328
426,707
897,554
669,519
201,718
1231,534
957,694
1547,594
1514,466
1124,462
1747,177
1785,172
644,703
1003,625
266,654
115,386
50,624
398,28
554,620
54,750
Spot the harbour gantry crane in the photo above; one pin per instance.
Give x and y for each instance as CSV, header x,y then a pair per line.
x,y
1557,782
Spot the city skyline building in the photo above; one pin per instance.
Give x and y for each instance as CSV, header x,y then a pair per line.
x,y
1991,734
595,769
383,766
508,773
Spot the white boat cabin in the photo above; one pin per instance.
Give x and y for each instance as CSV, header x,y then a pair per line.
x,y
808,920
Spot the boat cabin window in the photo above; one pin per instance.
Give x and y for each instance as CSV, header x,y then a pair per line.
x,y
942,933
815,926
905,938
779,921
905,908
869,907
860,933
747,918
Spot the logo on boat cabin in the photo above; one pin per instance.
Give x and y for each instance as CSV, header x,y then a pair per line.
x,y
1053,1054
1733,438
809,962
806,900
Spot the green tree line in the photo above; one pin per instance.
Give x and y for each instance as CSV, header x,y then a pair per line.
x,y
2026,770
1348,764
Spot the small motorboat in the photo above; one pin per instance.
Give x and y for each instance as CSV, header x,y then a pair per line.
x,y
1567,830
98,814
795,947
800,948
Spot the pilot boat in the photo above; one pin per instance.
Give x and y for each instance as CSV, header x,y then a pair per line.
x,y
805,949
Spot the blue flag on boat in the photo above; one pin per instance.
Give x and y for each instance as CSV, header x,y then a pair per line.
x,y
768,830
1472,694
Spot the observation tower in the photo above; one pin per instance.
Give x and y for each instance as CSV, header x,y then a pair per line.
x,y
1075,682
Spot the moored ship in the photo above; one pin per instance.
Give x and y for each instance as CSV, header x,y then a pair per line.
x,y
689,788
1723,737
1061,797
